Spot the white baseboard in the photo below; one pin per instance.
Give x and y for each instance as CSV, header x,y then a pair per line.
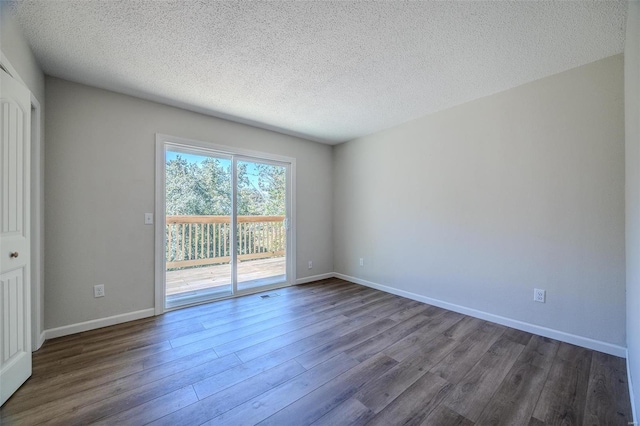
x,y
37,339
520,325
631,397
97,323
41,340
315,278
585,342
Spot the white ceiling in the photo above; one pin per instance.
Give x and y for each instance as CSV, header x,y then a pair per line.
x,y
327,71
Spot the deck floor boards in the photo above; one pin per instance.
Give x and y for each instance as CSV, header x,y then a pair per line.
x,y
330,353
208,277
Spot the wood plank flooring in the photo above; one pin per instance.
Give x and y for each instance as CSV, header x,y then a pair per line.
x,y
326,353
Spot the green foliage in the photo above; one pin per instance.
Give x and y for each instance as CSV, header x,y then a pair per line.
x,y
272,181
204,188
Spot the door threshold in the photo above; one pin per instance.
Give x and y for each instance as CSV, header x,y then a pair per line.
x,y
202,297
194,297
261,282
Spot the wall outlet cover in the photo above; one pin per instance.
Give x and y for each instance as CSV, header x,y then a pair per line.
x,y
98,290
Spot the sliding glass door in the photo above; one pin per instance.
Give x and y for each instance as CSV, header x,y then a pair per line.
x,y
261,224
198,207
226,223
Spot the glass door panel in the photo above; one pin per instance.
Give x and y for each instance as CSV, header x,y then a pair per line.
x,y
261,235
198,226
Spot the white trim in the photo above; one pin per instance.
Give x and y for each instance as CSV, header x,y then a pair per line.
x,y
97,323
292,223
224,149
585,342
631,397
160,221
233,244
315,278
42,338
4,62
37,225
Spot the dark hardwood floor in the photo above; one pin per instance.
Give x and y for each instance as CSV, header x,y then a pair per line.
x,y
326,353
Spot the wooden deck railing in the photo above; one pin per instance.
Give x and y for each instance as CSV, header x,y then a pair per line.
x,y
206,240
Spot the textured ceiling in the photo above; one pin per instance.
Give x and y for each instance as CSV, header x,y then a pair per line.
x,y
327,71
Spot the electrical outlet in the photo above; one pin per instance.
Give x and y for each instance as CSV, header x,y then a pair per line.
x,y
310,264
98,290
362,261
539,295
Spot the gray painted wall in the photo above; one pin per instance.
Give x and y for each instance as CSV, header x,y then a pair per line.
x,y
632,157
478,204
100,180
15,47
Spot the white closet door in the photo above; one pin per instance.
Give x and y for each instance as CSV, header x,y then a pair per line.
x,y
15,302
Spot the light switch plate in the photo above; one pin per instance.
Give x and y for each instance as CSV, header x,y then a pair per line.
x,y
148,218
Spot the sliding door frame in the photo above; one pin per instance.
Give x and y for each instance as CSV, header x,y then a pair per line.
x,y
237,154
